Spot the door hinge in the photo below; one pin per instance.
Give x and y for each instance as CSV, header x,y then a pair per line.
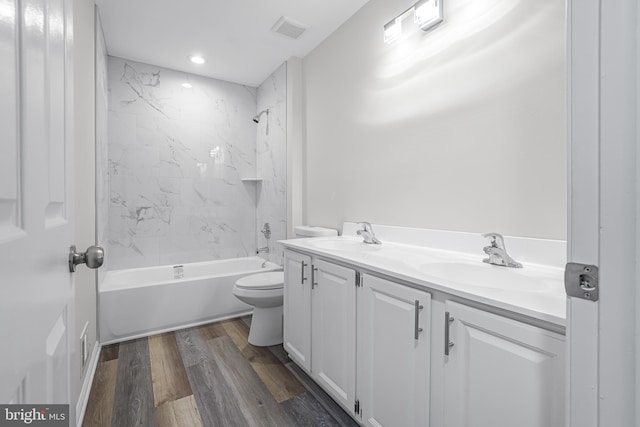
x,y
358,279
356,407
581,281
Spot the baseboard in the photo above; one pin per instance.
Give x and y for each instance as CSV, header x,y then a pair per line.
x,y
81,406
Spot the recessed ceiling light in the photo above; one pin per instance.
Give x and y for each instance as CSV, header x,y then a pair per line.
x,y
187,85
196,59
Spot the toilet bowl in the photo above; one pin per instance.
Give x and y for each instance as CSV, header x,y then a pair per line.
x,y
265,292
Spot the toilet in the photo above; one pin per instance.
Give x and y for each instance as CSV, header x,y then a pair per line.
x,y
265,292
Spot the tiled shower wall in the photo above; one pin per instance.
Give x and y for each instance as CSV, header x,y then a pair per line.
x,y
177,157
271,155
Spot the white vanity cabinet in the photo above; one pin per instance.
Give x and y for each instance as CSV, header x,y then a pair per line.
x,y
389,324
378,347
501,372
320,323
394,330
297,308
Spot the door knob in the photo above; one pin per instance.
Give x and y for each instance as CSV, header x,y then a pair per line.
x,y
93,257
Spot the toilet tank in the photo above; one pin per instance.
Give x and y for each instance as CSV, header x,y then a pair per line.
x,y
312,231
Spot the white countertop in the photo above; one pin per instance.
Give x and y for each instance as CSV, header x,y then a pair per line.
x,y
535,291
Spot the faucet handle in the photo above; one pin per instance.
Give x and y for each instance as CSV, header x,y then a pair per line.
x,y
266,230
366,226
497,240
367,233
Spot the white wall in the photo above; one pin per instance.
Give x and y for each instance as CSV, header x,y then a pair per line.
x,y
296,181
460,128
85,279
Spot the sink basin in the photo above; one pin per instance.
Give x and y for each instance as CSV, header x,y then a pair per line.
x,y
344,245
488,276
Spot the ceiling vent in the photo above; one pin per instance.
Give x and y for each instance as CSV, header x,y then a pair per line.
x,y
290,28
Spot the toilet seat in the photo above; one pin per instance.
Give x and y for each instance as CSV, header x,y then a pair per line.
x,y
262,281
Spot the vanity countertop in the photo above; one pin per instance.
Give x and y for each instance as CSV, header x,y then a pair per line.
x,y
535,291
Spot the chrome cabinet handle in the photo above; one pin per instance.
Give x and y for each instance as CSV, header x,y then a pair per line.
x,y
416,328
313,277
448,319
93,257
302,279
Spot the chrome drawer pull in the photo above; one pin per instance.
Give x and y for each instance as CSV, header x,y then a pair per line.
x,y
417,329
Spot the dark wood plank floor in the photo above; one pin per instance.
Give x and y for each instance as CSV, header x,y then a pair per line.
x,y
205,376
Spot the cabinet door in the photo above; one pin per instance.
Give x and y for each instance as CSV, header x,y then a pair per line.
x,y
394,323
502,373
297,308
333,331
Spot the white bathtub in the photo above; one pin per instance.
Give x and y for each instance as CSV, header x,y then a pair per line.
x,y
144,301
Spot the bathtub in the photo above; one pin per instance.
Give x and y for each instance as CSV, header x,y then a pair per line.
x,y
138,302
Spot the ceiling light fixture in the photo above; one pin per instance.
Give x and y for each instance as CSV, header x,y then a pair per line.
x,y
393,30
197,59
427,14
187,85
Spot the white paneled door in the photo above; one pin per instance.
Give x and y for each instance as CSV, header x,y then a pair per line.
x,y
297,308
602,339
394,332
501,372
36,224
333,330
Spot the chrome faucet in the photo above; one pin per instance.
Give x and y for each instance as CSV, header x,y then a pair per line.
x,y
498,252
266,230
367,234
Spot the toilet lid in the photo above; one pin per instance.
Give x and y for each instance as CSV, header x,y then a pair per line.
x,y
270,280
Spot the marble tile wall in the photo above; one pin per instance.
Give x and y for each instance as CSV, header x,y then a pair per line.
x,y
176,160
271,157
102,148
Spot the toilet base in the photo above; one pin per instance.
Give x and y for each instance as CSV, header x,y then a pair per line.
x,y
266,326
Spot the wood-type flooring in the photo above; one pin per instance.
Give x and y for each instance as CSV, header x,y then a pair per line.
x,y
205,376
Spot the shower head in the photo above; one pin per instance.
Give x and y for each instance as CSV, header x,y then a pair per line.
x,y
256,118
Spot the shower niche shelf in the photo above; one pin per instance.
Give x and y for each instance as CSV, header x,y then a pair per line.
x,y
253,179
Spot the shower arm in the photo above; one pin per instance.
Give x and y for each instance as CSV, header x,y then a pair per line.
x,y
257,117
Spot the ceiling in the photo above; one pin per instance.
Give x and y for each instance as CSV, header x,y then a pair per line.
x,y
234,36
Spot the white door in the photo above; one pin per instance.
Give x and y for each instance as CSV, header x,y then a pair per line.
x,y
36,223
602,124
394,331
583,222
501,373
297,308
333,331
